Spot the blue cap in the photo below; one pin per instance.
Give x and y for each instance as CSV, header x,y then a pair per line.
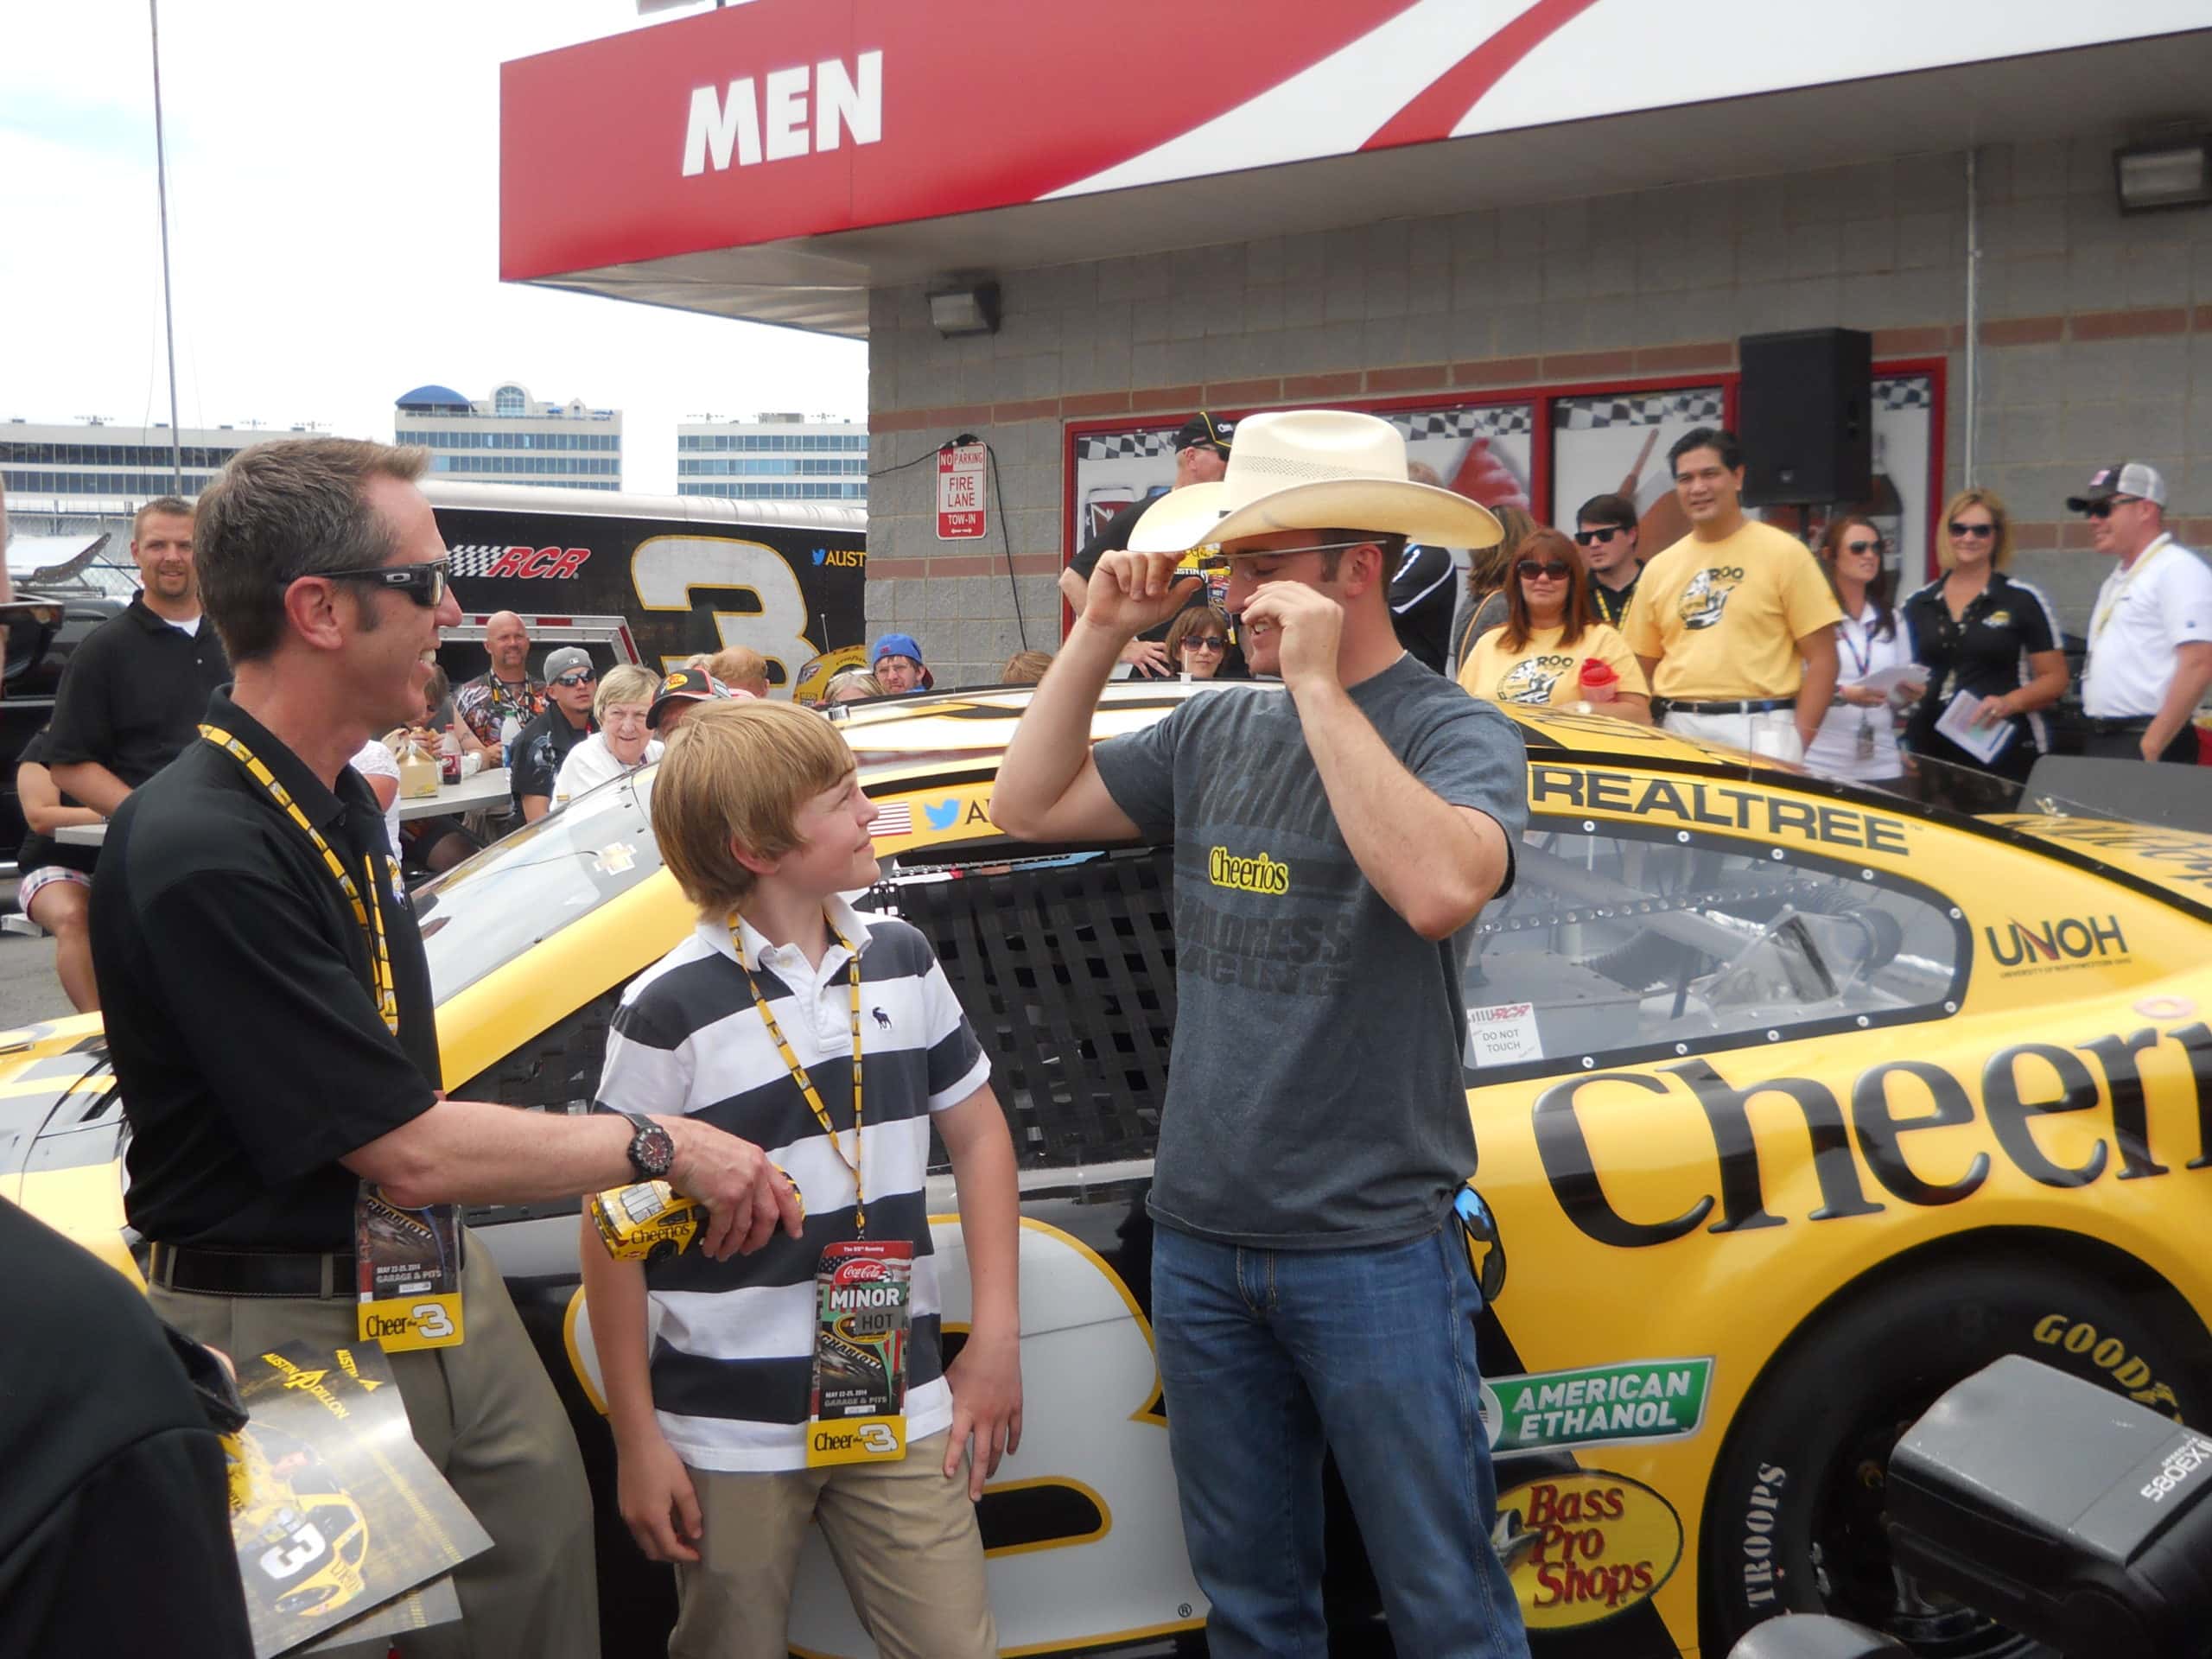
x,y
896,644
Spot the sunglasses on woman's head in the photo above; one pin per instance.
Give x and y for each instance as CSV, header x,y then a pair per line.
x,y
1554,568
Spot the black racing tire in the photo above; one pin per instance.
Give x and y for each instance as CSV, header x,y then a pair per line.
x,y
1793,1518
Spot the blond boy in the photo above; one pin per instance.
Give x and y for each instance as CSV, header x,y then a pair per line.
x,y
759,814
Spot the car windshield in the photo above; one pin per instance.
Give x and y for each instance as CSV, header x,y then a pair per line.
x,y
481,915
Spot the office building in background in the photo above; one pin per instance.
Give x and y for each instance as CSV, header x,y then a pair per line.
x,y
511,438
774,457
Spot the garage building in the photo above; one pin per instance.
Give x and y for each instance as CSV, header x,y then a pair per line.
x,y
1532,233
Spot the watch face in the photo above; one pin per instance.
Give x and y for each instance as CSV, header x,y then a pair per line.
x,y
653,1150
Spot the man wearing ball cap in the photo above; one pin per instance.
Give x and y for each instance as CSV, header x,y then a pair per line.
x,y
1336,833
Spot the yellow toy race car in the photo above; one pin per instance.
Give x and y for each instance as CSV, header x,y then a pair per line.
x,y
1796,1102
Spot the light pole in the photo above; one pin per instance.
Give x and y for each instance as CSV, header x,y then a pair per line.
x,y
168,314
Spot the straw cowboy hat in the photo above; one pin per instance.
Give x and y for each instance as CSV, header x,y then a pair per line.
x,y
1313,469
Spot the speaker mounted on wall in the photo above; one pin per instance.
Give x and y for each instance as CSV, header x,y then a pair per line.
x,y
1804,412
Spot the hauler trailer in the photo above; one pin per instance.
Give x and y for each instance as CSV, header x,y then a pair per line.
x,y
656,578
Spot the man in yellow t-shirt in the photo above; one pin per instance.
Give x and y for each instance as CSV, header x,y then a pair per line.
x,y
1734,624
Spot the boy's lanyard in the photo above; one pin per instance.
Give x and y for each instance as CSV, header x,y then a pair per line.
x,y
386,989
799,1073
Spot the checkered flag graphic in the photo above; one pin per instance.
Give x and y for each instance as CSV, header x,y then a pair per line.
x,y
1123,446
473,558
1481,420
1699,405
1904,392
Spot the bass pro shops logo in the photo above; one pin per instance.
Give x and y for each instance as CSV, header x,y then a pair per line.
x,y
1706,596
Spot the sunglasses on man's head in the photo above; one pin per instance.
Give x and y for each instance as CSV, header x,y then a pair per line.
x,y
424,583
1600,536
1554,568
2103,509
1960,532
576,677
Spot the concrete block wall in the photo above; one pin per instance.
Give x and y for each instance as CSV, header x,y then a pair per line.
x,y
2096,342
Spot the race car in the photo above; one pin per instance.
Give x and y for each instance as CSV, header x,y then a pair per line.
x,y
1794,1102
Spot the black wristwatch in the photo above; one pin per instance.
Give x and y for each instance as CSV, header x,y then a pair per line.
x,y
652,1149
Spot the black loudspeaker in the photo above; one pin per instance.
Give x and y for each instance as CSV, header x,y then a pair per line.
x,y
1804,413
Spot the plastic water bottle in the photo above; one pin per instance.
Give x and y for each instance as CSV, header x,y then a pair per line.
x,y
510,729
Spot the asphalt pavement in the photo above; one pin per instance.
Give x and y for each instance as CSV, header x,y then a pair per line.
x,y
28,990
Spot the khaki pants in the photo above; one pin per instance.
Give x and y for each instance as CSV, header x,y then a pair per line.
x,y
486,1415
1773,734
904,1538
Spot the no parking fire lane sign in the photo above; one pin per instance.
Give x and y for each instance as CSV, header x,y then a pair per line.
x,y
960,493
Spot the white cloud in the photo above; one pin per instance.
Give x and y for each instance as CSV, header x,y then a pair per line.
x,y
333,218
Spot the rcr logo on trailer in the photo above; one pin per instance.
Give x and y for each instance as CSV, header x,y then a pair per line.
x,y
538,563
733,118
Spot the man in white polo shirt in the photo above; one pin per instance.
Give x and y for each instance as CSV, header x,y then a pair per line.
x,y
2151,630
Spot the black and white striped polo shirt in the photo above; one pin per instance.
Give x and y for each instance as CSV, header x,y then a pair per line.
x,y
732,1348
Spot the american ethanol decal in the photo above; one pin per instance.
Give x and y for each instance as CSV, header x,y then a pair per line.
x,y
1594,1405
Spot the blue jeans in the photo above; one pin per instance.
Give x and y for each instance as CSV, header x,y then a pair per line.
x,y
1266,1355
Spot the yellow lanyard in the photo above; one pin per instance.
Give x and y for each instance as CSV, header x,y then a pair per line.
x,y
2142,563
1609,611
799,1074
387,993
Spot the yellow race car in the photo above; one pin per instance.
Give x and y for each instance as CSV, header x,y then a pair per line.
x,y
1796,1103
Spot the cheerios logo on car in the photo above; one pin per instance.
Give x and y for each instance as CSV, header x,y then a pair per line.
x,y
1259,873
1604,1544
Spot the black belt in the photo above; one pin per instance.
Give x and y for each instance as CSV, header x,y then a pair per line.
x,y
324,1277
1748,706
2124,724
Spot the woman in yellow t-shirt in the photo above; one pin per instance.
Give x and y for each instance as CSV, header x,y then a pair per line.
x,y
1550,638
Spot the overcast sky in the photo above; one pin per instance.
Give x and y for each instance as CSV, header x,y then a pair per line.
x,y
333,228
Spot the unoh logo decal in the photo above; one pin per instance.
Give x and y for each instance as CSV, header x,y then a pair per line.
x,y
1604,1544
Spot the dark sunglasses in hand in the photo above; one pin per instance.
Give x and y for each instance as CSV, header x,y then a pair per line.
x,y
1555,568
1598,537
424,583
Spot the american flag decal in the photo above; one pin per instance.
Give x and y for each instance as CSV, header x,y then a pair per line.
x,y
896,818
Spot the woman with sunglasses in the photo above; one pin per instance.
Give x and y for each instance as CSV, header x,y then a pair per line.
x,y
1980,632
1858,740
1551,637
1198,641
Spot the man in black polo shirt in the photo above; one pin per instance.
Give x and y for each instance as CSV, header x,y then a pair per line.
x,y
1201,452
137,685
571,683
269,1015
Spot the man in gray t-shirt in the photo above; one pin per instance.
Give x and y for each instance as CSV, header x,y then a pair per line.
x,y
1335,834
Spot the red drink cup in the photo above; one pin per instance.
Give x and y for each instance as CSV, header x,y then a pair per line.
x,y
1600,684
